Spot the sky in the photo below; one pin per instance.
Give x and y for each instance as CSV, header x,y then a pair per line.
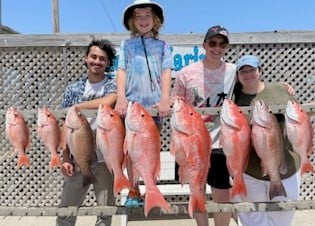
x,y
181,16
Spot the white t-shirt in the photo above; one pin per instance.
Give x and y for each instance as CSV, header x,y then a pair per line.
x,y
93,91
202,87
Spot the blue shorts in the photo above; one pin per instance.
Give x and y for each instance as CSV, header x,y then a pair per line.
x,y
218,176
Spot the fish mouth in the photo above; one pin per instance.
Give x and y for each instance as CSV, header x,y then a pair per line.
x,y
290,112
11,116
73,123
133,124
98,118
177,105
42,118
226,117
259,118
175,120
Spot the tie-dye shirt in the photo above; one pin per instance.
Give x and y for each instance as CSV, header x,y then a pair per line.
x,y
132,58
203,87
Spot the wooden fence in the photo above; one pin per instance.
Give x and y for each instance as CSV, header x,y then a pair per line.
x,y
35,69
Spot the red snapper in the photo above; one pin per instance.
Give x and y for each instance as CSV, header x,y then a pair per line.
x,y
268,143
191,146
300,133
18,134
235,139
143,145
110,135
49,132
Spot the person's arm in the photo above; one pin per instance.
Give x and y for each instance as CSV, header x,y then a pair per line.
x,y
290,89
164,104
66,165
93,104
121,103
166,84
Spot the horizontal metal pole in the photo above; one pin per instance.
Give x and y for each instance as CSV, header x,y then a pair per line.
x,y
203,111
178,210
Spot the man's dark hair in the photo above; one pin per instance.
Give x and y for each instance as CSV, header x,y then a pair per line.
x,y
105,45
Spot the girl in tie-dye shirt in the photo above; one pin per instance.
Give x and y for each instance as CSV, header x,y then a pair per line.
x,y
145,62
144,68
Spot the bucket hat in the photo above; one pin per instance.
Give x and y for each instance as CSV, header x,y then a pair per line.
x,y
157,8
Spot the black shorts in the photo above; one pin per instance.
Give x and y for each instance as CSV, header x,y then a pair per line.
x,y
218,176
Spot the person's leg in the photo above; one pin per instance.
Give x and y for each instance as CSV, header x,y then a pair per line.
x,y
292,187
72,194
219,180
221,196
201,219
257,191
103,190
133,198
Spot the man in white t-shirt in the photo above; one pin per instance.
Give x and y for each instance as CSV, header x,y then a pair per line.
x,y
97,87
207,83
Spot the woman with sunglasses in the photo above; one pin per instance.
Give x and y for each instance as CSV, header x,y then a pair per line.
x,y
207,83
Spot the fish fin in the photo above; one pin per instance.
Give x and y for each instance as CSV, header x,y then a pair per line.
x,y
306,167
276,189
23,160
55,161
124,162
172,148
63,137
196,203
121,182
283,166
154,198
239,187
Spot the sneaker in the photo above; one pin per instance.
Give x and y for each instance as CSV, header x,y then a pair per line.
x,y
133,202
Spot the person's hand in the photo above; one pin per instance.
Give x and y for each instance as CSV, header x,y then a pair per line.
x,y
121,106
67,169
290,89
163,107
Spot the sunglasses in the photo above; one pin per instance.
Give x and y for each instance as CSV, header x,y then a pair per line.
x,y
213,44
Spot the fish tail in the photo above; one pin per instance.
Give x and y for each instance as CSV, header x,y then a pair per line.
x,y
154,198
196,203
121,182
55,161
239,187
276,189
23,160
307,167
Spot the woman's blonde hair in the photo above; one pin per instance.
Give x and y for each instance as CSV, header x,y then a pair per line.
x,y
156,25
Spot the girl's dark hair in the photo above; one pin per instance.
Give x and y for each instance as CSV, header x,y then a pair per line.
x,y
107,47
237,90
